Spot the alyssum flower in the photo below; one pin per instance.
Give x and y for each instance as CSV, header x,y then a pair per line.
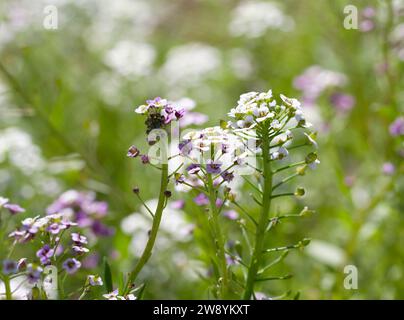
x,y
212,159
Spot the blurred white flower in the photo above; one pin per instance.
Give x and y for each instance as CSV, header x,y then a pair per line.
x,y
397,40
131,58
326,253
18,146
173,227
253,19
189,64
241,63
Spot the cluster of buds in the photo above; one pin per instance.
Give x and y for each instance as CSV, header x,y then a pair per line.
x,y
160,113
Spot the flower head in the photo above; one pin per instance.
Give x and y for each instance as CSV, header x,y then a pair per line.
x,y
44,254
13,208
10,267
71,265
94,280
33,273
160,113
201,199
213,167
397,127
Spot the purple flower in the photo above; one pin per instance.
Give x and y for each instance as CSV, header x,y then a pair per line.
x,y
44,254
179,113
193,168
9,267
80,250
71,265
388,168
185,147
342,102
366,25
213,167
133,152
368,12
94,280
397,127
231,214
33,273
219,202
227,176
79,239
201,199
13,208
55,228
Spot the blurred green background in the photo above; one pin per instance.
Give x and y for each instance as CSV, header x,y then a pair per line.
x,y
67,97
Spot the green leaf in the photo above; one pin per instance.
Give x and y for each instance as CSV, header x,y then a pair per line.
x,y
107,276
141,292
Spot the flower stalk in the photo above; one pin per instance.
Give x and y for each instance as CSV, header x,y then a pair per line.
x,y
147,252
263,219
218,238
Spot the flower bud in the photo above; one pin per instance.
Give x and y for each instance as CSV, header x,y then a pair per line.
x,y
301,170
300,192
306,212
311,157
167,193
133,152
304,243
136,190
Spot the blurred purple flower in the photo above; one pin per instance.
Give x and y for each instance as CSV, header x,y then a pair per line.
x,y
368,12
366,25
201,199
84,210
9,267
91,261
388,168
397,127
231,214
178,204
13,208
100,229
342,102
193,118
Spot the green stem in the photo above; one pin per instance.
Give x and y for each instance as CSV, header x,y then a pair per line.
x,y
8,288
263,220
218,238
153,233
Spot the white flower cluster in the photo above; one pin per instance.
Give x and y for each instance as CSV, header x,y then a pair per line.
x,y
189,64
131,59
253,19
254,108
